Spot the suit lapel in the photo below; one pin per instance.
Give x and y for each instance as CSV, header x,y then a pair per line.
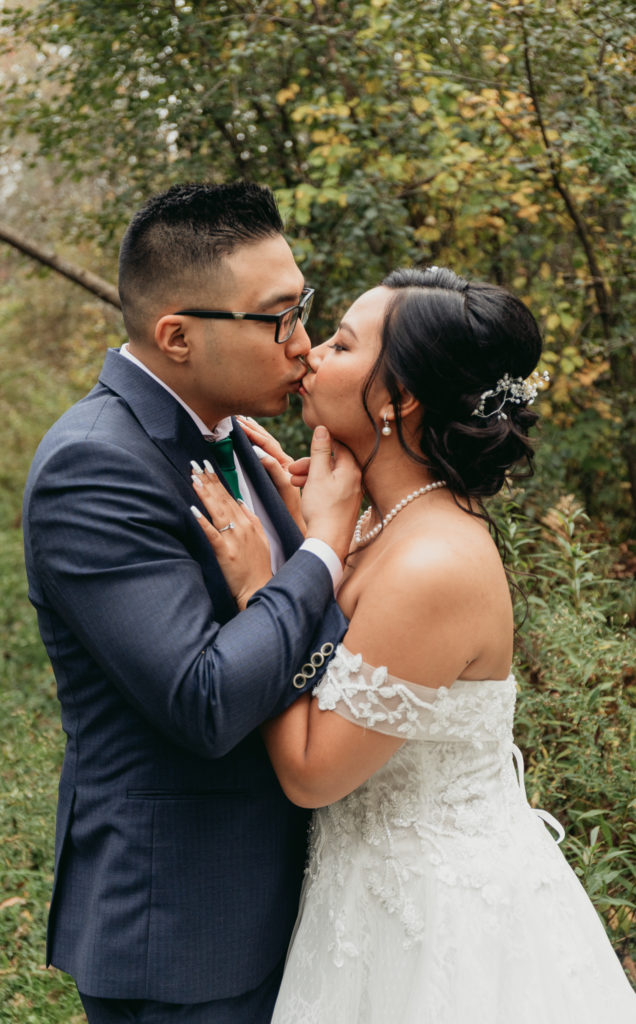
x,y
162,418
170,427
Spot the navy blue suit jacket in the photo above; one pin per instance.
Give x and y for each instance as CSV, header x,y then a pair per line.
x,y
178,857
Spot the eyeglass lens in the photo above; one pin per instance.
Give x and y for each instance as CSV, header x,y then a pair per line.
x,y
288,323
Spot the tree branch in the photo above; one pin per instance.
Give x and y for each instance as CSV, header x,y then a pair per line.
x,y
554,166
84,278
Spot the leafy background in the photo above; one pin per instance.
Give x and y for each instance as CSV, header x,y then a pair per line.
x,y
497,138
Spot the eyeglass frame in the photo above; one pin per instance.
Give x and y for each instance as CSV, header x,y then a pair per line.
x,y
306,299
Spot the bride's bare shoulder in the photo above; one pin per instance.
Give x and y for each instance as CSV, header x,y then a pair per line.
x,y
432,604
451,550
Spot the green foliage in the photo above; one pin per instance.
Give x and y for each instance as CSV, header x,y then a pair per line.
x,y
576,716
52,349
499,138
31,744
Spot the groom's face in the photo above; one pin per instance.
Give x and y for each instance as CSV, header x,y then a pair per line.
x,y
235,366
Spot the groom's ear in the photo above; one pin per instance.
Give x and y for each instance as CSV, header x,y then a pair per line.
x,y
171,337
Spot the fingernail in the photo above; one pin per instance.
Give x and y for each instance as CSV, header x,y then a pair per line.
x,y
239,501
210,468
196,480
321,433
195,512
195,466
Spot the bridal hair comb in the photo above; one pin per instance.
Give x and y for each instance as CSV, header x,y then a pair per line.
x,y
511,389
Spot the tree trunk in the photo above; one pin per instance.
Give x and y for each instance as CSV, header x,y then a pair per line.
x,y
91,282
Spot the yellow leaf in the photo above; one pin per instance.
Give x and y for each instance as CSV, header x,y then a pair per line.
x,y
428,234
490,95
283,95
420,104
592,372
550,357
545,272
529,212
520,197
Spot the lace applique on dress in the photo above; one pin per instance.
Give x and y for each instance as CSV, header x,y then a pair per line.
x,y
433,892
370,696
475,710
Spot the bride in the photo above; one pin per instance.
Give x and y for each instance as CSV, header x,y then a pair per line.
x,y
434,894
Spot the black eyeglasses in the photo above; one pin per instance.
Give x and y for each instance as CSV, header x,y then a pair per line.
x,y
285,321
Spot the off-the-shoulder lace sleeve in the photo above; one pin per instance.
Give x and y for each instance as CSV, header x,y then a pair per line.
x,y
371,697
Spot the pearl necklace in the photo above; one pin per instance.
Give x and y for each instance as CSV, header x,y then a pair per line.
x,y
357,533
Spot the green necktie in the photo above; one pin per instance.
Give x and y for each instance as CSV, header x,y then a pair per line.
x,y
223,452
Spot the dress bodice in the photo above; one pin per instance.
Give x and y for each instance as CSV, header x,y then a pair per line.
x,y
433,893
456,770
451,786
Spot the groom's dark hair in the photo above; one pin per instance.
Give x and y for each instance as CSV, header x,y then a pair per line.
x,y
178,235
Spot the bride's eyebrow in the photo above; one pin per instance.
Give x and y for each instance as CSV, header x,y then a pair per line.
x,y
344,326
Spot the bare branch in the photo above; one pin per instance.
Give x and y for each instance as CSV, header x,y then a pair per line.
x,y
554,164
84,278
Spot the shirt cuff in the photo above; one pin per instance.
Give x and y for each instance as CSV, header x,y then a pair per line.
x,y
326,555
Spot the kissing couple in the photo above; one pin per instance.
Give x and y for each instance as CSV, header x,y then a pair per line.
x,y
238,667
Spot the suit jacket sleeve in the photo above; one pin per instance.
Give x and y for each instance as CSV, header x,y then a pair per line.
x,y
118,557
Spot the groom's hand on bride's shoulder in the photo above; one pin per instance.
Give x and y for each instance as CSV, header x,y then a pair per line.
x,y
331,495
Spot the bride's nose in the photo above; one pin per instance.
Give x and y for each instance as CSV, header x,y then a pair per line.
x,y
314,358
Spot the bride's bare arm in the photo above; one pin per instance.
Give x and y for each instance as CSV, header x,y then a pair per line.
x,y
434,608
319,757
412,618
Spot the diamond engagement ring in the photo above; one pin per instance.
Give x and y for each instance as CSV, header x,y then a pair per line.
x,y
230,526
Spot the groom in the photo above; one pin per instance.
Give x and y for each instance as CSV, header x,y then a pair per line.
x,y
178,858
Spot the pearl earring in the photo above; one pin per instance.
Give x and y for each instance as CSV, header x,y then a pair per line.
x,y
386,429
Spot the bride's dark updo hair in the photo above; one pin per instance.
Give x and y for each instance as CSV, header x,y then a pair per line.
x,y
446,341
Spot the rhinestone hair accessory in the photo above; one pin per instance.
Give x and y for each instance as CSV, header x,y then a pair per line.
x,y
511,389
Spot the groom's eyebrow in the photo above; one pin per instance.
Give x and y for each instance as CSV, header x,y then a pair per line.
x,y
290,298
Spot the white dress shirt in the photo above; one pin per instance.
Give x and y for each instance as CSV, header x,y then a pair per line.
x,y
317,547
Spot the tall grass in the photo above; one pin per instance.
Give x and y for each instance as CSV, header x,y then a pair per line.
x,y
576,718
31,747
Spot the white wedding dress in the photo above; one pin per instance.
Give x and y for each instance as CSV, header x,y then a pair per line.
x,y
434,894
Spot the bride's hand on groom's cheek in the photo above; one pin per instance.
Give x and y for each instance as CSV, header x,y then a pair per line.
x,y
235,535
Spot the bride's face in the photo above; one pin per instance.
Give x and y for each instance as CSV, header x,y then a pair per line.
x,y
332,394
